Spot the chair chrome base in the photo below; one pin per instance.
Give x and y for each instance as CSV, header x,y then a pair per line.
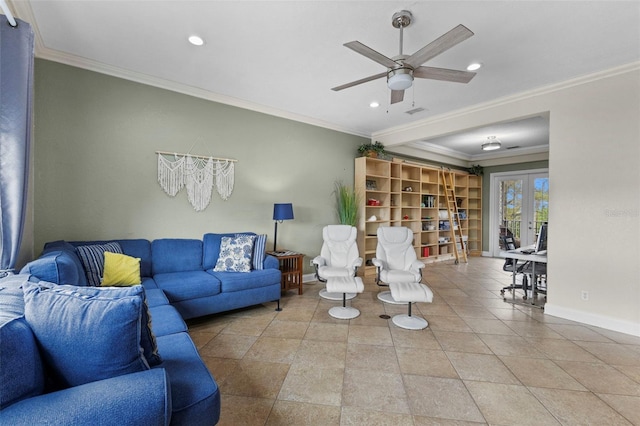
x,y
385,296
335,296
410,322
344,312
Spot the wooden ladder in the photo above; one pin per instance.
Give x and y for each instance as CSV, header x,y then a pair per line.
x,y
455,225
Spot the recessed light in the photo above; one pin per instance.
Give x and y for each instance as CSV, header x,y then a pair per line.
x,y
195,40
474,66
374,104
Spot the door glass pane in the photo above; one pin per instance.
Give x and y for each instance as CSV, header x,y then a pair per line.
x,y
540,201
510,209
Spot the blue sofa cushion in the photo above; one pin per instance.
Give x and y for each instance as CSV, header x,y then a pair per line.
x,y
176,255
57,266
167,320
70,250
148,283
59,245
238,281
155,297
195,397
235,254
211,247
21,373
138,248
86,334
179,286
92,258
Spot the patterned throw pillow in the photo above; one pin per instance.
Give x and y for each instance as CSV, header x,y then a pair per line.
x,y
92,258
259,249
235,254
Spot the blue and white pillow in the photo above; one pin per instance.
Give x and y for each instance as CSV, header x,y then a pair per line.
x,y
235,254
92,258
259,249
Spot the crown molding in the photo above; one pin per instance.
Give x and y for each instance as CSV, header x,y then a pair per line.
x,y
414,125
23,10
452,153
450,156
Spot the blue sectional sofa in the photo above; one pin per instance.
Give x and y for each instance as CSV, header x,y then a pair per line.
x,y
179,283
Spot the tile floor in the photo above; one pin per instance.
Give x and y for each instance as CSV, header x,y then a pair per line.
x,y
480,361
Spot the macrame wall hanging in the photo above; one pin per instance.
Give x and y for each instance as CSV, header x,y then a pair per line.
x,y
198,174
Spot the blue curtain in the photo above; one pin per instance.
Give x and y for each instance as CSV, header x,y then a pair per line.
x,y
16,94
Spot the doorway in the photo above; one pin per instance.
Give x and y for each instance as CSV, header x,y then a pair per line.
x,y
519,206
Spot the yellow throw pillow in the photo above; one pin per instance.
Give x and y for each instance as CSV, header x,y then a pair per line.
x,y
120,270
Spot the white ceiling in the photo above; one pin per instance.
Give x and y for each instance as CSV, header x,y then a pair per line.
x,y
283,57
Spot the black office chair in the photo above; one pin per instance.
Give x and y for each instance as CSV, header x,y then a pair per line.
x,y
539,282
507,242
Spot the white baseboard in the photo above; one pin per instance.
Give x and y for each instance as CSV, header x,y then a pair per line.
x,y
307,278
486,254
602,321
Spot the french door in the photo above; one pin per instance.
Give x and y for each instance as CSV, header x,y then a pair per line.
x,y
519,205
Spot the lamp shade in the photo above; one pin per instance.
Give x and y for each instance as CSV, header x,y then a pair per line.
x,y
283,211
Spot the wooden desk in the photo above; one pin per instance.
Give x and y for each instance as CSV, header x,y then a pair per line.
x,y
291,269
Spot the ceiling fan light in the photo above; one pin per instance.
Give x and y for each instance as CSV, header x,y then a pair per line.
x,y
400,81
492,144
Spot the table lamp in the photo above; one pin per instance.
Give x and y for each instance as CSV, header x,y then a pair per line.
x,y
282,211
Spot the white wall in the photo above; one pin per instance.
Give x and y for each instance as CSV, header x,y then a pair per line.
x,y
594,172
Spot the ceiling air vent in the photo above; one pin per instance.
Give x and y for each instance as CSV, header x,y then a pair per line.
x,y
513,147
414,111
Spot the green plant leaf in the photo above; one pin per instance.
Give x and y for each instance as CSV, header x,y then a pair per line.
x,y
347,204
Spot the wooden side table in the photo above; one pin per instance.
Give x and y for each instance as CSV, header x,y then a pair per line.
x,y
290,265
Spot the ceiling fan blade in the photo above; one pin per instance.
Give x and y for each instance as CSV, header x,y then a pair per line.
x,y
444,74
362,80
397,96
360,48
439,45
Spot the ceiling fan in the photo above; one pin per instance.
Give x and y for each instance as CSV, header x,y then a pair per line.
x,y
402,69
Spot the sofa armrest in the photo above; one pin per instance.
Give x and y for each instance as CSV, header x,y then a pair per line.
x,y
271,262
142,398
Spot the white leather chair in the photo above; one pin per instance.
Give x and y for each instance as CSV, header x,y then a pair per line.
x,y
396,260
338,257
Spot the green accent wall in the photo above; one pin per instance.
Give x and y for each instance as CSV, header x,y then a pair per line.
x,y
95,167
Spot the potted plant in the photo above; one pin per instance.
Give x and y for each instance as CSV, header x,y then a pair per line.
x,y
347,204
371,149
476,170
